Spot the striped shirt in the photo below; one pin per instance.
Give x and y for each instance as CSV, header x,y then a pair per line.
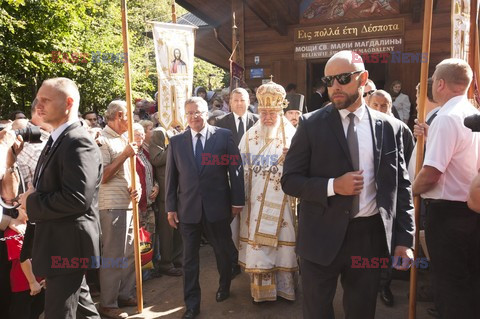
x,y
28,157
114,194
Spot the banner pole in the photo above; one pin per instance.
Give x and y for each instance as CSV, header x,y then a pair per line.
x,y
427,34
128,98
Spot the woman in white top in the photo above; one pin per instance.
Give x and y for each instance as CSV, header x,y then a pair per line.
x,y
401,102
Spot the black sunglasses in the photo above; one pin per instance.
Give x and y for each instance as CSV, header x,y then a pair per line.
x,y
368,93
343,78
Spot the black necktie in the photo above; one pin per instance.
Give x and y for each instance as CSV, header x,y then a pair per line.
x,y
352,141
240,130
41,160
198,152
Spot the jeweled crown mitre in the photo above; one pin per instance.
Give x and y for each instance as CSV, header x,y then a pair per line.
x,y
271,96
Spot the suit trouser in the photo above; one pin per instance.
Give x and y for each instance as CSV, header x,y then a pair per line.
x,y
117,282
67,296
365,237
218,233
24,306
452,232
170,241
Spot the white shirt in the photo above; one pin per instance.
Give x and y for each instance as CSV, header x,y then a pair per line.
x,y
59,130
244,120
453,149
402,104
368,204
203,138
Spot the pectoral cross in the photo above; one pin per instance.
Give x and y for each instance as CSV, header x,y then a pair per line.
x,y
271,78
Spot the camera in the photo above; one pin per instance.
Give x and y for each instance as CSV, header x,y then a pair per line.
x,y
472,122
29,134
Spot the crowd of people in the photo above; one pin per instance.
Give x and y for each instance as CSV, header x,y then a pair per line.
x,y
273,186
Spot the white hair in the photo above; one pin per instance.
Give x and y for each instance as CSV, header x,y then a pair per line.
x,y
200,102
113,108
137,127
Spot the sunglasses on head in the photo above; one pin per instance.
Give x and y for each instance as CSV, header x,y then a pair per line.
x,y
342,78
368,93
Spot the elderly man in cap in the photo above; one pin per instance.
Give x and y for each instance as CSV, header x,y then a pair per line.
x,y
267,222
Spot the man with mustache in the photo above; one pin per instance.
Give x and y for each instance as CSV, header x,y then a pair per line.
x,y
346,165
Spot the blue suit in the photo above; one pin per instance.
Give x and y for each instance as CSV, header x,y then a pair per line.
x,y
203,201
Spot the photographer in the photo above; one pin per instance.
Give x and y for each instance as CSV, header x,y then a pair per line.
x,y
28,158
8,176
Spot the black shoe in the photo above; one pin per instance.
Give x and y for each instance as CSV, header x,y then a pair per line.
x,y
190,314
173,272
222,295
386,296
433,312
236,271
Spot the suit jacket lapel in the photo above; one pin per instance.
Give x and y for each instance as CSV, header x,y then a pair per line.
x,y
376,127
209,142
53,149
335,123
234,127
187,135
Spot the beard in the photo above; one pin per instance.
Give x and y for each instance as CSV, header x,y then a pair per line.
x,y
269,132
349,100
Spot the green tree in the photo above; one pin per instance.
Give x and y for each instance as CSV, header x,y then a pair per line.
x,y
40,39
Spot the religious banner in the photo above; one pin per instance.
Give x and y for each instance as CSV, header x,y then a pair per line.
x,y
236,71
460,29
174,46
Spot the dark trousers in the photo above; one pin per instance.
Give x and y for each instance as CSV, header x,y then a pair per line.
x,y
365,237
24,306
219,234
67,296
452,233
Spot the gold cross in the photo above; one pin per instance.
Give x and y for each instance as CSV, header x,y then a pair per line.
x,y
271,78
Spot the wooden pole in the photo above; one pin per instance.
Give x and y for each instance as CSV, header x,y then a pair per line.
x,y
174,12
128,97
427,33
472,45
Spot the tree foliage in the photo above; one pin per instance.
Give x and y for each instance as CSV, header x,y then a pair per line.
x,y
40,39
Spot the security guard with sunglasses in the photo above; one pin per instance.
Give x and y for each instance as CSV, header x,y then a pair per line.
x,y
346,165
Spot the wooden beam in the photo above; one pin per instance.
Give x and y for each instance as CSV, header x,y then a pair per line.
x,y
270,14
238,9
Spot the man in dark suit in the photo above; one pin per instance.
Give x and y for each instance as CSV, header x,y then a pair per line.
x,y
346,164
239,120
319,97
204,189
63,202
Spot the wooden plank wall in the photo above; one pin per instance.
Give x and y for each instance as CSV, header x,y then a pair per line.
x,y
276,52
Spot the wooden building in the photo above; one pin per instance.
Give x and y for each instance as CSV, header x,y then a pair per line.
x,y
292,39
